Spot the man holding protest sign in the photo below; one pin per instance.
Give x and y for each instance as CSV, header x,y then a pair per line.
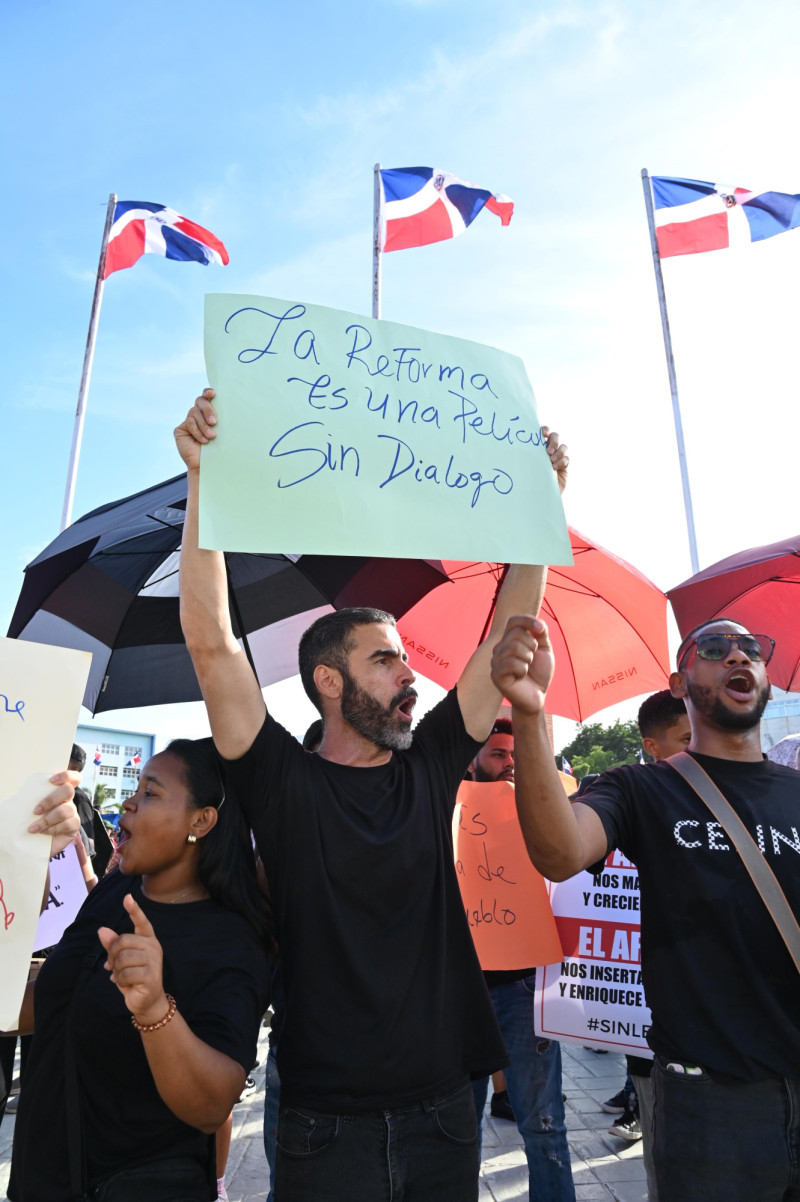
x,y
722,987
533,1078
386,1012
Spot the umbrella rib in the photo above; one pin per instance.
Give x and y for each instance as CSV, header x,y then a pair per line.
x,y
549,611
760,584
627,620
791,678
492,608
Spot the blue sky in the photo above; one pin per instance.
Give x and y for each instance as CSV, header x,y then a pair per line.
x,y
263,122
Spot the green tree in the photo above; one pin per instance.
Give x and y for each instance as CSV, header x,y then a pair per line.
x,y
101,796
597,748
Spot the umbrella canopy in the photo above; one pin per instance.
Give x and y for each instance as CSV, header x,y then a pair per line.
x,y
109,584
607,622
760,589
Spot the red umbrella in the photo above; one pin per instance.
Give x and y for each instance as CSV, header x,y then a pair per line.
x,y
608,624
760,589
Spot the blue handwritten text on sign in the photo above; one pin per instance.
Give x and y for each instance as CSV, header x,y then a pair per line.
x,y
344,435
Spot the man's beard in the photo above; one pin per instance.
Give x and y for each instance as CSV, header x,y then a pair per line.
x,y
484,778
716,711
372,720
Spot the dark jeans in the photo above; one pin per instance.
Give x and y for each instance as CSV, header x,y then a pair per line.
x,y
715,1142
412,1154
533,1080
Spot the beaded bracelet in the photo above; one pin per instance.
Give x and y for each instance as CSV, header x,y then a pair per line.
x,y
173,1006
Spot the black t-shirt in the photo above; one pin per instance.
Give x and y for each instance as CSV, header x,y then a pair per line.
x,y
85,810
216,969
384,998
720,983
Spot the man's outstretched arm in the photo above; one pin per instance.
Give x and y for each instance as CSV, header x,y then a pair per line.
x,y
230,690
561,838
521,593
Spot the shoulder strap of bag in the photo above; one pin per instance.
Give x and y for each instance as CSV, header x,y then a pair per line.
x,y
760,872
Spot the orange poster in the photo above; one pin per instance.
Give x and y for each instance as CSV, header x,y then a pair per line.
x,y
505,898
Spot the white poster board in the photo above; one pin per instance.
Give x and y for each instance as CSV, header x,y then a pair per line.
x,y
41,689
594,997
67,894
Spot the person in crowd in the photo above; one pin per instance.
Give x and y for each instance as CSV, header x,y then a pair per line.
x,y
166,963
533,1078
665,730
94,835
386,1013
723,990
83,802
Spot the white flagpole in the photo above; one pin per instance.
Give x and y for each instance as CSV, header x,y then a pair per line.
x,y
377,214
88,357
673,382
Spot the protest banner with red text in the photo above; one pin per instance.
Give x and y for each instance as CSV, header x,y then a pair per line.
x,y
595,997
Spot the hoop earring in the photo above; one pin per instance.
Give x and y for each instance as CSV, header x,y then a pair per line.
x,y
191,838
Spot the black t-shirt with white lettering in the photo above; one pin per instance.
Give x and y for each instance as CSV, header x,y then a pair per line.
x,y
216,969
384,998
719,980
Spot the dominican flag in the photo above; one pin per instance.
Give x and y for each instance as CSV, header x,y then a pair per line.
x,y
694,216
426,204
135,762
96,756
142,227
566,766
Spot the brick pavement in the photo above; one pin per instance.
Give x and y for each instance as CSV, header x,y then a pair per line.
x,y
603,1166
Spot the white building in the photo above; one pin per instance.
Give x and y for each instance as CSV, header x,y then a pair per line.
x,y
122,754
781,718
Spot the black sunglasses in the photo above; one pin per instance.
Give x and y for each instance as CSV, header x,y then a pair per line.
x,y
757,647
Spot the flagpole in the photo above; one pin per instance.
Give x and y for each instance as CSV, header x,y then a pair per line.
x,y
377,213
88,358
673,382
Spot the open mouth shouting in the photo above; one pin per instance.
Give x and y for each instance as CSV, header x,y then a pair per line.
x,y
740,684
404,704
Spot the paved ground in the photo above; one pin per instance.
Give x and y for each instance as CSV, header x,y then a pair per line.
x,y
603,1166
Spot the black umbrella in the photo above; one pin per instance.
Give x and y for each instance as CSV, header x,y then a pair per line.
x,y
109,584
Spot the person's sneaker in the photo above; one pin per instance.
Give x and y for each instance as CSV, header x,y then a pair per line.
x,y
617,1104
222,1193
12,1103
501,1107
627,1127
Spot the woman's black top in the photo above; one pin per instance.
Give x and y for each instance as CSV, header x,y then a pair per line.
x,y
216,968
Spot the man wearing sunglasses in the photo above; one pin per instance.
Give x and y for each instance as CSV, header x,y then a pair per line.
x,y
724,993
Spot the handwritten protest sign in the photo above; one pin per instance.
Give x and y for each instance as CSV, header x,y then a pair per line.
x,y
66,896
504,897
595,996
339,434
40,695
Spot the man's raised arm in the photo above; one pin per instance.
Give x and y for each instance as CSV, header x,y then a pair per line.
x,y
521,593
230,690
561,838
